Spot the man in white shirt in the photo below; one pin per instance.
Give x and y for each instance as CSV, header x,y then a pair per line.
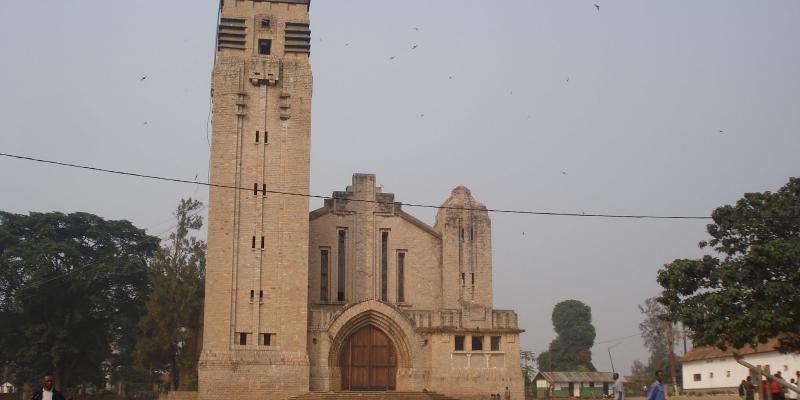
x,y
618,388
48,392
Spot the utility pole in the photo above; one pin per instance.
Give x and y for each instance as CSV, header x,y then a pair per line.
x,y
670,340
611,359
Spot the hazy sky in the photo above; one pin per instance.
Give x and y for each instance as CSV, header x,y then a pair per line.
x,y
533,105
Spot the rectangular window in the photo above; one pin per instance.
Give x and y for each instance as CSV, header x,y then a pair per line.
x,y
265,23
252,295
264,189
266,137
242,338
473,278
255,188
711,375
267,339
697,377
262,242
384,265
257,136
341,266
459,343
477,343
261,296
401,277
264,46
323,276
253,242
495,343
462,279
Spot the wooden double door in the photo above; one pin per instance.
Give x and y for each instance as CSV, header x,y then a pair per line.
x,y
368,361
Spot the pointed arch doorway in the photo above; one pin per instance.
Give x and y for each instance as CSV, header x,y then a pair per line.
x,y
368,361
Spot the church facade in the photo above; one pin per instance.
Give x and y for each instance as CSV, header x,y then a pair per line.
x,y
356,295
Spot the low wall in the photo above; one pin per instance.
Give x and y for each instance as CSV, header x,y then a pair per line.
x,y
178,395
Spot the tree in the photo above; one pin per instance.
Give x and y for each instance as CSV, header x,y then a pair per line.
x,y
172,324
570,351
652,332
71,286
747,293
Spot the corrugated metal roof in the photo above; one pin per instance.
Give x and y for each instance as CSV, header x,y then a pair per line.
x,y
561,377
708,352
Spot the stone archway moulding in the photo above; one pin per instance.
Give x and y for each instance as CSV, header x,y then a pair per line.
x,y
385,317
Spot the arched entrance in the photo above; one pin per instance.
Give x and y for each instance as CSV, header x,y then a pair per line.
x,y
368,361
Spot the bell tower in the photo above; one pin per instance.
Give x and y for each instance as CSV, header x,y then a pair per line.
x,y
256,296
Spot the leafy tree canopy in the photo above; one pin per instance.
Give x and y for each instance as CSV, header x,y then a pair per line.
x,y
747,293
172,324
572,321
72,287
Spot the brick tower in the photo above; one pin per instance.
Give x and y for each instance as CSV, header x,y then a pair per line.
x,y
255,334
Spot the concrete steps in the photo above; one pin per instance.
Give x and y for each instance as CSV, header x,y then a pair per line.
x,y
372,396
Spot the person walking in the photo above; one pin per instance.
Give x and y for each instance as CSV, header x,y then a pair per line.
x,y
657,388
776,388
792,394
742,390
749,389
508,394
618,388
48,392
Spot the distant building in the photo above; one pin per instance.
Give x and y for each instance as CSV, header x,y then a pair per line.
x,y
573,384
7,387
709,368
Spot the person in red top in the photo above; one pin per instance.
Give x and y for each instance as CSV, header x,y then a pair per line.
x,y
776,388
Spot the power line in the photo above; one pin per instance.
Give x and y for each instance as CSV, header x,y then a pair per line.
x,y
499,211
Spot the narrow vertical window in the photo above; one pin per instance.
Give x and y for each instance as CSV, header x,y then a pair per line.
x,y
264,189
255,188
323,276
401,277
477,343
252,294
260,296
384,265
253,242
463,278
341,266
257,136
262,242
266,137
459,343
267,339
242,338
473,278
264,46
495,343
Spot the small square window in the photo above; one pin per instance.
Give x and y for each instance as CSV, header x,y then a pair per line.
x,y
264,46
477,343
265,23
242,338
697,377
459,343
267,339
710,374
495,343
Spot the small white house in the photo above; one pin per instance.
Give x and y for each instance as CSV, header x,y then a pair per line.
x,y
7,387
709,368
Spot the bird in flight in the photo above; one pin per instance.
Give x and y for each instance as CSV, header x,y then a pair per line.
x,y
414,46
567,79
563,172
597,6
416,28
143,78
145,123
392,57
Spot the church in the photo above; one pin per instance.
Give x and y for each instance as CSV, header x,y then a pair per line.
x,y
358,295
